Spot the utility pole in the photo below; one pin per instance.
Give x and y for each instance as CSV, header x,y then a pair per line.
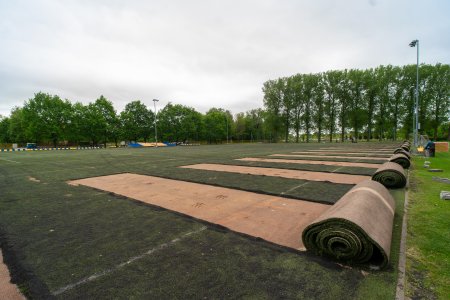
x,y
416,104
156,132
226,119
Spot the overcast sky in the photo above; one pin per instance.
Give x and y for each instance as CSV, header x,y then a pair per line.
x,y
203,53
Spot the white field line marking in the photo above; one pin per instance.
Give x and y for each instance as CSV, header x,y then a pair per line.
x,y
17,162
337,169
294,188
123,264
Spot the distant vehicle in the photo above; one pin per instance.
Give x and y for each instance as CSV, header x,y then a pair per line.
x,y
31,146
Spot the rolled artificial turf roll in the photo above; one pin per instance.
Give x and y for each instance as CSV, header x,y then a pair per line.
x,y
391,175
405,147
401,159
357,229
401,150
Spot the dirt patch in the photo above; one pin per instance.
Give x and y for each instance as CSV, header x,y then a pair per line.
x,y
7,289
312,162
415,283
275,219
308,175
33,179
329,156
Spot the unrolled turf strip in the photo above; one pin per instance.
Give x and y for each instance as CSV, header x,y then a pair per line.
x,y
357,229
308,175
346,154
275,219
355,150
330,156
303,167
391,175
358,149
311,162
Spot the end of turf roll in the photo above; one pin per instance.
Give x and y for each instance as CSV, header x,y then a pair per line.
x,y
357,229
401,159
403,151
391,175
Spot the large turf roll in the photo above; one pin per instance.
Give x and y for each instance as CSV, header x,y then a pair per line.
x,y
401,150
401,159
405,147
391,175
357,229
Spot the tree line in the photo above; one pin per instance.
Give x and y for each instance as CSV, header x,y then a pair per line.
x,y
376,103
47,119
362,104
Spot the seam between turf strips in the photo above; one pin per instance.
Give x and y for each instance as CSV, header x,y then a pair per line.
x,y
125,263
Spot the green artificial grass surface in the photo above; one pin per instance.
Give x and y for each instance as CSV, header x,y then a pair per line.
x,y
428,241
54,235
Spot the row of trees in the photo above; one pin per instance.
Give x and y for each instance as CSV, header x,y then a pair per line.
x,y
364,104
373,103
47,119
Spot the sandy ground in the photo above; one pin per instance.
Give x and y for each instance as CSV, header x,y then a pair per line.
x,y
8,291
351,154
295,174
312,162
334,156
275,219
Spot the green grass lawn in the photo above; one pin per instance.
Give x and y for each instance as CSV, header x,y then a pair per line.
x,y
54,235
428,241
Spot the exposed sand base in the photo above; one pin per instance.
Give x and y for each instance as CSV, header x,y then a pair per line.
x,y
8,291
334,156
275,219
350,154
295,174
312,162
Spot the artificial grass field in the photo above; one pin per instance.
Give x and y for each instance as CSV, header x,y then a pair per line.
x,y
54,235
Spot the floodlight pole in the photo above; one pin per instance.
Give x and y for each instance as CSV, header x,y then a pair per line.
x,y
226,119
417,96
416,104
156,132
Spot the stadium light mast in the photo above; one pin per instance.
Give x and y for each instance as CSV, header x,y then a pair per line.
x,y
156,132
226,119
415,43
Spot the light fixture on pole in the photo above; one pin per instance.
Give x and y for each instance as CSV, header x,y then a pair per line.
x,y
416,104
156,132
